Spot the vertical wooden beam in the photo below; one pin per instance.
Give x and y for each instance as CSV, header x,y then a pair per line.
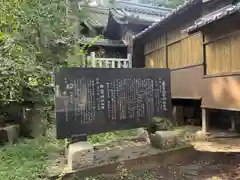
x,y
178,115
165,49
233,124
204,55
204,120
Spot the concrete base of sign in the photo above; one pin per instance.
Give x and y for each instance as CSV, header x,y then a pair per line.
x,y
164,140
131,150
151,158
83,155
80,155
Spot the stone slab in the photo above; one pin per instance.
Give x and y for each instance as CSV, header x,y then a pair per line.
x,y
152,155
164,140
201,136
9,134
80,155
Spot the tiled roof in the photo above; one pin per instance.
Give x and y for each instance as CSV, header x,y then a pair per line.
x,y
142,8
179,9
214,16
139,11
97,16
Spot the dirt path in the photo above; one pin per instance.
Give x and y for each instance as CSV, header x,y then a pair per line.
x,y
219,145
220,141
203,166
215,159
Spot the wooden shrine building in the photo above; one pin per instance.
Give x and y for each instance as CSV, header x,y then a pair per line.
x,y
95,21
199,41
121,21
127,19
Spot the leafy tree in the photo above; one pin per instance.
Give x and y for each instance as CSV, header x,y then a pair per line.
x,y
31,33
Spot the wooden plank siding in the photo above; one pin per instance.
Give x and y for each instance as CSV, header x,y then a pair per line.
x,y
156,59
155,53
176,51
222,55
154,45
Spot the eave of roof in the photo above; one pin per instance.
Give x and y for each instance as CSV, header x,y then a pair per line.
x,y
126,10
98,16
93,41
103,42
121,17
212,17
186,5
131,6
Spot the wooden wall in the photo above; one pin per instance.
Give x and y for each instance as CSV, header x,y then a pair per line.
x,y
154,51
223,56
175,50
214,51
222,52
217,45
186,52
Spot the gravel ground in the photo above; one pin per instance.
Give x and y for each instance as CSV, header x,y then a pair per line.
x,y
205,166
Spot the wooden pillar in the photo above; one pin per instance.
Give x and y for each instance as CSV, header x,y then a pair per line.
x,y
204,120
178,115
165,50
233,124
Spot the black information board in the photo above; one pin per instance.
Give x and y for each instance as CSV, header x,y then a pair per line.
x,y
96,100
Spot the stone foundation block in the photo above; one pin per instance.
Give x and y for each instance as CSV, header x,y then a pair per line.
x,y
143,135
9,134
107,155
114,153
135,150
100,156
80,155
201,136
164,140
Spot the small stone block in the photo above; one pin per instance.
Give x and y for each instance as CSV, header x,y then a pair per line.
x,y
164,140
9,134
80,155
201,136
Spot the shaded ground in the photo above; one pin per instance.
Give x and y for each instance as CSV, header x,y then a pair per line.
x,y
28,159
219,140
218,158
219,145
203,166
31,158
